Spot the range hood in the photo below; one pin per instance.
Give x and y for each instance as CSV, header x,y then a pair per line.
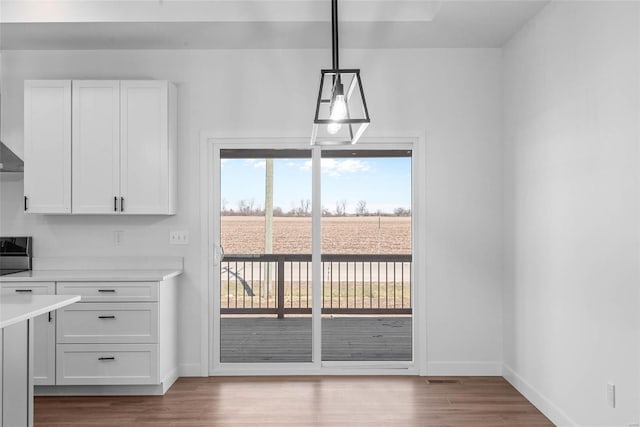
x,y
9,161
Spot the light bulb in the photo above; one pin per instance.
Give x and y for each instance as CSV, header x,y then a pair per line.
x,y
338,112
333,128
339,108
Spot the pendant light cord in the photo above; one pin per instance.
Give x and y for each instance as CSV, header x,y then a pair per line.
x,y
334,34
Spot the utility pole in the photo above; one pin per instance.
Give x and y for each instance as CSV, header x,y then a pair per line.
x,y
268,218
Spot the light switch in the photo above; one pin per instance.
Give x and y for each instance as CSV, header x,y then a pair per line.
x,y
179,237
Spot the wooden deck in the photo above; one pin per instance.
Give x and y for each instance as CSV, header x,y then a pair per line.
x,y
260,340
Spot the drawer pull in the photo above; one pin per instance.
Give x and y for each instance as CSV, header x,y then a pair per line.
x,y
106,317
106,358
106,290
24,290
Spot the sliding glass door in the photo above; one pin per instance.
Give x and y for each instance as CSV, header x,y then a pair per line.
x,y
366,255
312,257
265,274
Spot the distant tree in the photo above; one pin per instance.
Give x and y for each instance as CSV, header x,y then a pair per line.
x,y
305,207
302,209
242,207
341,208
361,208
246,207
402,212
277,211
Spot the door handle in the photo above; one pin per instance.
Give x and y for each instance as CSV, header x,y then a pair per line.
x,y
24,290
115,203
106,290
25,203
218,254
106,317
121,204
107,358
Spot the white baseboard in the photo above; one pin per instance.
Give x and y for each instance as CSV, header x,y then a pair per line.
x,y
190,370
169,379
464,369
99,390
548,408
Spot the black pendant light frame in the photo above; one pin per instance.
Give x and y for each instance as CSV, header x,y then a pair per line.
x,y
336,74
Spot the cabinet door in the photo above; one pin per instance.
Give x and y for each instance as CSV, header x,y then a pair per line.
x,y
47,146
17,405
96,146
144,144
44,331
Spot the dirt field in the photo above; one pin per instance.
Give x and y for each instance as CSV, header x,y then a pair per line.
x,y
340,235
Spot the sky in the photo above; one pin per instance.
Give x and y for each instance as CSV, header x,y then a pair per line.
x,y
384,183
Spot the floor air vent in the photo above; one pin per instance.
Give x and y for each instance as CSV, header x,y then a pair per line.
x,y
443,381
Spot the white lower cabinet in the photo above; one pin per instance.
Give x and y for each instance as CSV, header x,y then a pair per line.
x,y
44,331
120,333
111,291
107,364
102,323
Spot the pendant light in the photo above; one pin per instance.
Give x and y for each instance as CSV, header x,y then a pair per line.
x,y
341,110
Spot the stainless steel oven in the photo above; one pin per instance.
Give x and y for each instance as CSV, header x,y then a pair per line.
x,y
15,254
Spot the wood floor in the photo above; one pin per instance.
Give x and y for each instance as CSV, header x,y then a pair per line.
x,y
264,340
303,401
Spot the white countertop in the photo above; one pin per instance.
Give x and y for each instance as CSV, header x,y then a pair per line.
x,y
91,276
16,308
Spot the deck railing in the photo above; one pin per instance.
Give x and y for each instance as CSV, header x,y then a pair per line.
x,y
281,284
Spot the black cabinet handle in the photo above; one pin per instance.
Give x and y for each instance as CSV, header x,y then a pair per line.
x,y
25,203
50,317
106,290
106,358
106,317
115,203
24,290
121,204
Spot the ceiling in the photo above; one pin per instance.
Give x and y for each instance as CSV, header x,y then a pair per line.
x,y
260,24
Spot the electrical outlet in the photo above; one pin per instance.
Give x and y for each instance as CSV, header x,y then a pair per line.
x,y
611,395
179,237
118,237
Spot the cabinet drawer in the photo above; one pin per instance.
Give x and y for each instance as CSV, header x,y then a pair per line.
x,y
37,288
110,291
106,364
108,323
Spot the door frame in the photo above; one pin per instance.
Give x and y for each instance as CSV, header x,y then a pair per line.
x,y
210,142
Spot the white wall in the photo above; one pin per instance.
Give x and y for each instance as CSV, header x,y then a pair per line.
x,y
571,300
452,93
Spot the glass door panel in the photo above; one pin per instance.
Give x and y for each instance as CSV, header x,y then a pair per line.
x,y
265,273
366,255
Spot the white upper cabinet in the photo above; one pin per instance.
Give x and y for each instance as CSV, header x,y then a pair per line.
x,y
96,146
47,146
147,147
121,147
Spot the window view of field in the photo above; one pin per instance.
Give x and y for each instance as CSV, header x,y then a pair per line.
x,y
340,235
266,229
